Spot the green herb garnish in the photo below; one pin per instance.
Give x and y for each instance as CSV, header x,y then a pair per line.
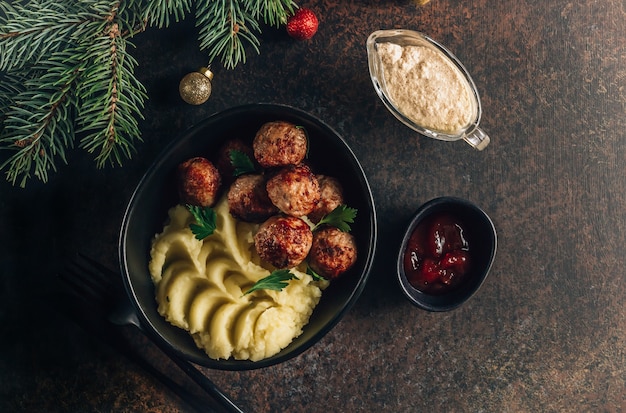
x,y
276,281
205,221
339,217
241,162
313,274
308,141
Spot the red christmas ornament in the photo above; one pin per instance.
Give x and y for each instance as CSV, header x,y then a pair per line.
x,y
303,24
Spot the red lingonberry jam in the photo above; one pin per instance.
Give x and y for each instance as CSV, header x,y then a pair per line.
x,y
437,256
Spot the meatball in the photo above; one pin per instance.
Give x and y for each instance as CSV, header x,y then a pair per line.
x,y
331,196
223,162
332,253
279,143
248,200
283,241
294,190
198,182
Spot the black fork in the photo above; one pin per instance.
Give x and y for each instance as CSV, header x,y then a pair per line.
x,y
99,288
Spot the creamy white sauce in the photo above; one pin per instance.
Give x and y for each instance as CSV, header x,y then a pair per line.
x,y
426,87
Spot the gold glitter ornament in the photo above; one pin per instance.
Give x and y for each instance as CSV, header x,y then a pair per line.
x,y
195,87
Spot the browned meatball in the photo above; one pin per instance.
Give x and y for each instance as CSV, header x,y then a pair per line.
x,y
198,182
332,253
331,196
283,241
223,162
279,143
294,190
248,200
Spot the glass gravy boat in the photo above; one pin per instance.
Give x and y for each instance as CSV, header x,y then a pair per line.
x,y
470,132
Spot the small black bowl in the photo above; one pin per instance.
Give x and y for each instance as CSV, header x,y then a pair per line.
x,y
480,233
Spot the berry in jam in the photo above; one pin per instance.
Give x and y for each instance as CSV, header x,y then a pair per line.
x,y
437,256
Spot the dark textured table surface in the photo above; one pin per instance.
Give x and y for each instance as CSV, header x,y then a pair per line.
x,y
547,332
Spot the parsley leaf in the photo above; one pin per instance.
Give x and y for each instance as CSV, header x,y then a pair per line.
x,y
339,217
276,281
308,141
241,162
205,221
313,274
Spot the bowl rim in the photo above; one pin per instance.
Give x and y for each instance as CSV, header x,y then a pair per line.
x,y
379,84
413,295
159,160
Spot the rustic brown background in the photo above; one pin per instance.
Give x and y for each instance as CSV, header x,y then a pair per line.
x,y
547,332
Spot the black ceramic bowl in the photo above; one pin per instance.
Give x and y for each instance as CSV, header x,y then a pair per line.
x,y
156,193
480,234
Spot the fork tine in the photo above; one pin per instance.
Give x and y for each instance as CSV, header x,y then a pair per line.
x,y
107,274
95,286
107,279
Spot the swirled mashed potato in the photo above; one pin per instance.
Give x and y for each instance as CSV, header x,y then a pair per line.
x,y
200,287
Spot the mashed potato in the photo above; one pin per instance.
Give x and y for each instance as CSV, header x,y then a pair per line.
x,y
200,287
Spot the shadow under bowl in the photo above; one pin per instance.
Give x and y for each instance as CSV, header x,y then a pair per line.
x,y
481,234
157,192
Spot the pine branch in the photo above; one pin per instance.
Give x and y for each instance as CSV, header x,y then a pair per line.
x,y
272,12
38,126
109,122
66,70
38,29
225,27
10,86
159,12
88,87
